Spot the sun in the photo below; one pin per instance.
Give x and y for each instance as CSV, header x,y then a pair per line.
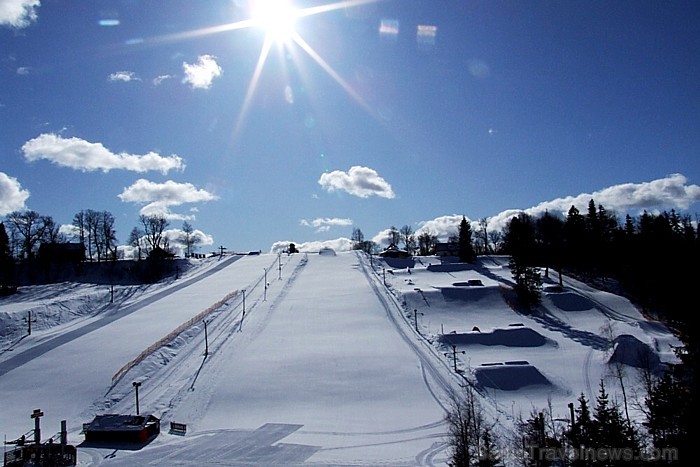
x,y
275,17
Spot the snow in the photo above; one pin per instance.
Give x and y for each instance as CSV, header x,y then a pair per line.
x,y
326,359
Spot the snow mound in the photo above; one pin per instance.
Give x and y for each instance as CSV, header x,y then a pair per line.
x,y
514,337
629,350
509,376
568,301
326,251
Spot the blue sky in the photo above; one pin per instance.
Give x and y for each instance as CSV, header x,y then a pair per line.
x,y
372,114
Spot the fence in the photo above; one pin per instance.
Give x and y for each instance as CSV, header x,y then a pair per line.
x,y
163,341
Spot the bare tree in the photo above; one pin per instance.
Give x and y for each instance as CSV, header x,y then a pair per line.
x,y
136,240
29,228
408,238
154,227
426,243
188,238
80,225
465,422
394,236
482,235
108,235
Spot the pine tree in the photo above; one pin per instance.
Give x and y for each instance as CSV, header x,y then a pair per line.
x,y
7,264
466,248
611,433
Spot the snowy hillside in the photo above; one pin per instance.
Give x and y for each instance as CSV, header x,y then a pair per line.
x,y
309,359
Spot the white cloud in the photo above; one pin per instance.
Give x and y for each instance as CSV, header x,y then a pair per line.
x,y
358,181
12,196
324,224
671,192
79,154
443,227
159,197
201,74
18,13
338,244
159,79
124,76
23,70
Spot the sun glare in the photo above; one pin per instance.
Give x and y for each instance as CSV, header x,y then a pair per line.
x,y
275,17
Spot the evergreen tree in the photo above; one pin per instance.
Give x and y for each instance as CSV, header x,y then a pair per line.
x,y
489,453
580,434
465,246
7,264
611,433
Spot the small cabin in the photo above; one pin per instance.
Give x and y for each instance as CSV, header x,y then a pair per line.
x,y
447,249
392,251
116,428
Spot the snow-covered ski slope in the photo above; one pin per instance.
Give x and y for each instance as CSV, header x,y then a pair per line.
x,y
333,360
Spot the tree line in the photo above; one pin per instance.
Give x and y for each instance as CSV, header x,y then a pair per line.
x,y
652,259
22,234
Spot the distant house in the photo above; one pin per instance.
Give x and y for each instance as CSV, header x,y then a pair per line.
x,y
116,428
55,252
392,251
447,249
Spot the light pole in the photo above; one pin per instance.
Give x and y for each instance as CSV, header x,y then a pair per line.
x,y
415,319
454,357
136,385
240,328
206,340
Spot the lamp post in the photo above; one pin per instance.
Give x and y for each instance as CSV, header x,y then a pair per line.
x,y
136,385
206,340
454,357
415,319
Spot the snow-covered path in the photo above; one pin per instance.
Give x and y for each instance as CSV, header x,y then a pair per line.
x,y
88,363
332,385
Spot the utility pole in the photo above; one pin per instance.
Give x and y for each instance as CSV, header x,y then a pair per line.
x,y
206,340
454,357
36,415
136,385
415,319
29,322
221,252
240,328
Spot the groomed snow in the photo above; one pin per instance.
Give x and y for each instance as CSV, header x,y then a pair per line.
x,y
312,359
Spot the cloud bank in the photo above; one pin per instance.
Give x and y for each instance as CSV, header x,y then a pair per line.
x,y
671,192
12,196
18,13
200,75
79,154
159,197
358,181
